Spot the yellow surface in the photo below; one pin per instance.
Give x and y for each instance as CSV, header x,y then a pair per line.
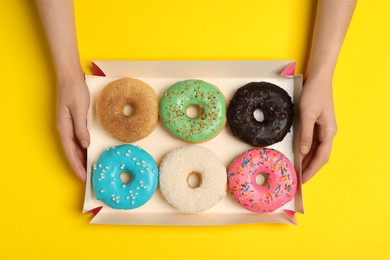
x,y
347,205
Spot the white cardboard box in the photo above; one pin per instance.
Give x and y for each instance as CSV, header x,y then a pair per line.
x,y
228,76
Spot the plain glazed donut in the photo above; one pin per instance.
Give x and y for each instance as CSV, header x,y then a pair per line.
x,y
277,108
175,168
279,174
206,98
111,103
106,177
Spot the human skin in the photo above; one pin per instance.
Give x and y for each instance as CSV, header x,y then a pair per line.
x,y
73,96
318,123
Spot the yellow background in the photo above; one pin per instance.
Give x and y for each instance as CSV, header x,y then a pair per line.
x,y
347,203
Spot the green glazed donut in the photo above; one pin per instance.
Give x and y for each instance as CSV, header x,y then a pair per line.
x,y
206,98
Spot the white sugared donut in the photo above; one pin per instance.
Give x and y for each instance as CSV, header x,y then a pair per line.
x,y
175,169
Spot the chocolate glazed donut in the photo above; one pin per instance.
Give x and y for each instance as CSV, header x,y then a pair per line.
x,y
277,108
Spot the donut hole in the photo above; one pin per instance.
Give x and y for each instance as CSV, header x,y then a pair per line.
x,y
261,179
194,180
194,111
128,110
258,114
125,177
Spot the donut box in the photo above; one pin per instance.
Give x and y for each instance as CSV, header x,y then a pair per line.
x,y
228,76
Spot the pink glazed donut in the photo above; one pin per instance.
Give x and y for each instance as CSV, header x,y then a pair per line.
x,y
280,180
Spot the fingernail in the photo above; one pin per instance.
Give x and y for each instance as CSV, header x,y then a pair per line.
x,y
84,144
304,149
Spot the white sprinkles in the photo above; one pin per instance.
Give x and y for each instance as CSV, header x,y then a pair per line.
x,y
114,197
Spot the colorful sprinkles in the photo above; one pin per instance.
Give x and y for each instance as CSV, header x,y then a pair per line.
x,y
179,97
280,180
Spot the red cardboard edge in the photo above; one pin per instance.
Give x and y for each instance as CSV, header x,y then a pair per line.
x,y
291,215
94,211
289,71
97,71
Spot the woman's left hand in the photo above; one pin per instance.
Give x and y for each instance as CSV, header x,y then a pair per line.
x,y
318,125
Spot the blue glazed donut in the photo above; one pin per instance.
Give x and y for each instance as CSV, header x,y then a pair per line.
x,y
107,183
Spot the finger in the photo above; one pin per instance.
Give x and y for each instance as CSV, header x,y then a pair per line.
x,y
73,151
306,135
314,145
321,148
320,158
80,127
309,157
81,155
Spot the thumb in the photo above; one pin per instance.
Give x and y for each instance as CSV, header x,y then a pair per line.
x,y
80,127
306,135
